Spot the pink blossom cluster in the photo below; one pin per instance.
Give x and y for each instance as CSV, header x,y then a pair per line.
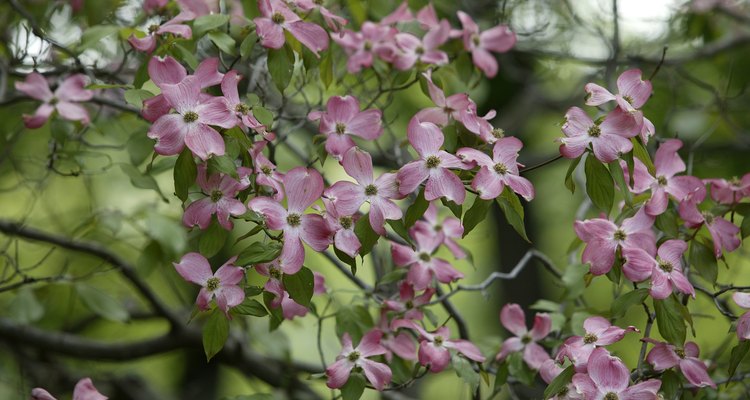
x,y
84,390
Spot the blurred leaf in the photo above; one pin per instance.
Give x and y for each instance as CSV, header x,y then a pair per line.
x,y
326,68
139,147
617,174
465,371
393,276
670,384
623,302
560,382
222,164
599,185
185,174
641,153
212,239
25,308
398,226
703,260
186,55
209,22
501,376
135,97
169,233
353,388
101,304
142,181
456,209
247,45
275,316
667,223
215,334
519,370
738,353
300,286
263,116
280,67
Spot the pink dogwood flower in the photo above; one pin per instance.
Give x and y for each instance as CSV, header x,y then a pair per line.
x,y
434,346
333,21
399,343
84,390
175,26
598,332
342,224
729,191
275,271
221,192
400,14
423,266
222,285
633,94
665,270
342,120
167,70
664,182
608,378
447,109
432,166
190,125
743,323
242,111
380,192
608,139
265,171
426,50
276,17
499,171
408,302
498,40
549,370
724,234
302,187
603,237
64,100
352,358
450,229
362,47
665,356
513,319
154,5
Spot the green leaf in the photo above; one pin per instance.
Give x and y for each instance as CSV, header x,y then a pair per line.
x,y
670,384
519,370
247,45
142,181
560,382
393,276
513,211
353,388
169,233
135,97
215,334
223,164
398,226
670,320
501,376
263,116
599,184
667,223
209,22
354,320
616,171
61,130
738,353
465,371
745,227
139,147
416,210
456,209
280,67
101,304
223,41
476,214
703,260
326,68
213,239
185,174
300,286
25,308
366,235
569,181
622,303
641,153
184,54
250,307
257,253
275,316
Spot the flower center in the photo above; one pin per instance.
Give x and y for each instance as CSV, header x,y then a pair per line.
x,y
371,190
346,222
438,341
216,195
340,128
526,339
212,284
680,353
628,99
595,131
448,110
153,28
498,133
432,161
190,116
590,338
620,235
475,39
242,108
419,50
293,220
611,396
437,228
275,273
318,2
661,180
500,168
708,217
368,45
277,18
265,169
409,304
665,266
353,356
424,256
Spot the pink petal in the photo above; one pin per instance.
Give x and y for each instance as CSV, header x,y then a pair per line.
x,y
510,345
620,123
485,61
584,385
366,124
292,252
303,187
380,210
573,147
600,254
596,325
215,112
85,390
608,148
743,326
425,137
513,319
41,394
271,34
155,107
193,267
597,95
346,241
444,271
342,109
199,213
358,164
662,357
370,344
741,299
72,89
40,117
310,35
488,184
420,276
466,348
377,373
411,175
642,391
35,86
444,183
608,373
577,123
630,84
695,372
347,197
204,141
72,112
165,71
667,161
169,132
672,251
535,355
228,297
228,274
436,357
498,39
207,73
638,265
724,235
315,232
402,255
521,185
338,373
661,286
542,326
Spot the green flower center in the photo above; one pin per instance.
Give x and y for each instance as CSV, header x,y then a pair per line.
x,y
419,50
212,284
475,39
590,338
432,161
293,220
628,99
242,108
409,304
661,180
353,356
526,339
448,110
275,273
498,133
665,266
368,45
438,341
708,217
595,131
346,222
265,169
611,396
340,128
190,116
153,28
216,195
371,190
680,353
277,18
424,256
620,235
500,168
